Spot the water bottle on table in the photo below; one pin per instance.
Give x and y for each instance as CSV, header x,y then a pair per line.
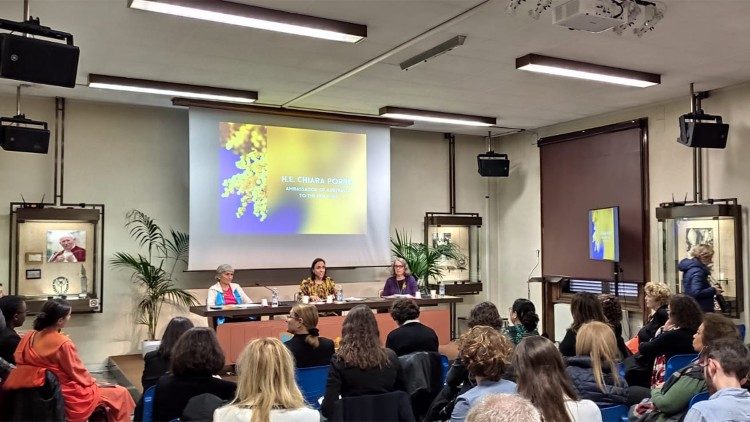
x,y
441,289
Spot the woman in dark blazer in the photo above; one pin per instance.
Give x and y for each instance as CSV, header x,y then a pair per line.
x,y
657,301
196,358
676,338
307,347
156,363
361,366
695,273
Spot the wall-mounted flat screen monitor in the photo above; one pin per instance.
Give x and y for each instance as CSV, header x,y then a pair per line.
x,y
604,234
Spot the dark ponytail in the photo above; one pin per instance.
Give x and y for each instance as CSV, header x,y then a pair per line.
x,y
526,313
52,311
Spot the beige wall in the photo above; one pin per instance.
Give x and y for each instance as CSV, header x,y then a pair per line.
x,y
137,157
670,172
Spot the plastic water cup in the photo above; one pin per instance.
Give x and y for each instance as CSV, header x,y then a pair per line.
x,y
264,302
433,294
305,299
329,299
418,295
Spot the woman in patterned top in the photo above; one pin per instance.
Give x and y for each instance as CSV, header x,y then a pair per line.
x,y
523,320
318,286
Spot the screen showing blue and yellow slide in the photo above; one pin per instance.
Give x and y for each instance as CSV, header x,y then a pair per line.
x,y
604,234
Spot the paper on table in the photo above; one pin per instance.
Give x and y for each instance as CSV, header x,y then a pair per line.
x,y
354,299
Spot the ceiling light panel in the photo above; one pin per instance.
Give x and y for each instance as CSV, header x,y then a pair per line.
x,y
172,89
256,17
589,71
436,116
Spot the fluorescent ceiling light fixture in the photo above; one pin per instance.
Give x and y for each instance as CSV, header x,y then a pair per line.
x,y
173,89
256,17
439,49
583,70
436,116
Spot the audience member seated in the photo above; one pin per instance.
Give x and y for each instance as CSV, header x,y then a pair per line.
x,y
266,390
306,346
156,363
318,286
224,292
458,379
695,274
401,282
14,310
671,401
646,368
485,353
46,348
657,301
523,319
613,314
726,368
411,335
360,366
543,381
503,408
586,307
594,368
5,366
196,358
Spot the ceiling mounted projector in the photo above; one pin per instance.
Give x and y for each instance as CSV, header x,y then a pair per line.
x,y
26,138
588,15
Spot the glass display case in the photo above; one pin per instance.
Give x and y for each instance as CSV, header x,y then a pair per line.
x,y
718,224
56,253
461,276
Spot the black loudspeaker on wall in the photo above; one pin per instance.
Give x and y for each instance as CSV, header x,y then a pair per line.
x,y
492,164
39,61
703,131
14,137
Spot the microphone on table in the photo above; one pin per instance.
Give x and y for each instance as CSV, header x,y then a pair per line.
x,y
264,286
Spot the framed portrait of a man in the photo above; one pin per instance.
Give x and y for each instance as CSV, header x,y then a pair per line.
x,y
66,246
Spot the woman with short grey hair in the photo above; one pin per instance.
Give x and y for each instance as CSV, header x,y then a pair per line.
x,y
225,292
401,282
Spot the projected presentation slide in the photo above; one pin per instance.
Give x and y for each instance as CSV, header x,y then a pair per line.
x,y
284,180
604,234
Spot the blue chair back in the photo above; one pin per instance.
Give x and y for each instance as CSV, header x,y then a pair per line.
x,y
699,397
148,404
741,329
621,369
312,383
614,413
445,365
285,337
676,363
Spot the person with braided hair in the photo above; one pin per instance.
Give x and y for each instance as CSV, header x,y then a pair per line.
x,y
306,346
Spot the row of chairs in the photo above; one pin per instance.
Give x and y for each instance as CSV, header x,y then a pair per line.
x,y
619,413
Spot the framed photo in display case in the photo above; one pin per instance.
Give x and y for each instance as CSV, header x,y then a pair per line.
x,y
56,252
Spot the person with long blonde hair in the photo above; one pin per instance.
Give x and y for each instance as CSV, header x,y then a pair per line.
x,y
594,368
307,347
266,390
361,366
541,379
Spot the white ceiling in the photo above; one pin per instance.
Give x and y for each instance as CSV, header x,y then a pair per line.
x,y
702,41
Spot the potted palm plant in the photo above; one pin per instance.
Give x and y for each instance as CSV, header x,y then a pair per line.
x,y
154,271
423,261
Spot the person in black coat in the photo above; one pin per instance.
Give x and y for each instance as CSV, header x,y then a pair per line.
x,y
196,358
657,300
14,311
156,363
411,335
594,368
361,366
695,273
586,307
676,338
307,347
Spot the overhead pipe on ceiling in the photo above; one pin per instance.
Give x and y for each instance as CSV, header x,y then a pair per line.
x,y
435,29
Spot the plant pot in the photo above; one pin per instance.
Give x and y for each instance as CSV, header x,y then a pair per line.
x,y
150,346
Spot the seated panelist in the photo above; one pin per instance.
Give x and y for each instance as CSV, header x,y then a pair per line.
x,y
224,292
401,282
318,286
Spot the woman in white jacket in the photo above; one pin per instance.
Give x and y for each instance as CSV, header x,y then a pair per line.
x,y
224,292
266,390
